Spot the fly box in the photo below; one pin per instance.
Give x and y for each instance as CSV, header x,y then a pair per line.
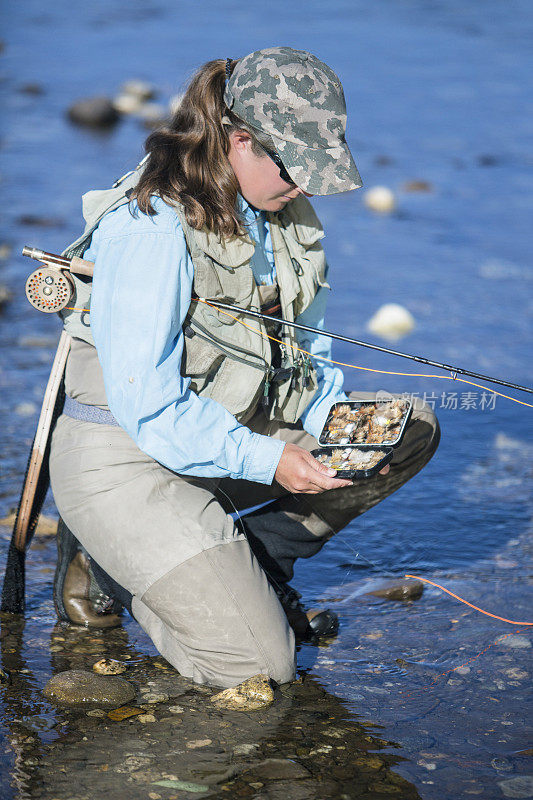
x,y
354,462
358,437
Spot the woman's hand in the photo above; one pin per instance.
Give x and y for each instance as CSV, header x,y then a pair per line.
x,y
299,472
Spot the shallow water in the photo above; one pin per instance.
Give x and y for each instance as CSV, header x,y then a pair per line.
x,y
435,92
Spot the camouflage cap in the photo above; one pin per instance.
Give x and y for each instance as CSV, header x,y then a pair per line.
x,y
299,102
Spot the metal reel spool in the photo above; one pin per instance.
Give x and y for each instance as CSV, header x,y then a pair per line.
x,y
49,289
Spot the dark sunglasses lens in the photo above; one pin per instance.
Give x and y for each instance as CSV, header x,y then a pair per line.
x,y
284,175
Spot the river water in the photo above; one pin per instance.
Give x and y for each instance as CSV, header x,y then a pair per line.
x,y
436,92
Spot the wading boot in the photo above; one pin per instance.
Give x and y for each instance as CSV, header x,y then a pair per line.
x,y
307,624
78,597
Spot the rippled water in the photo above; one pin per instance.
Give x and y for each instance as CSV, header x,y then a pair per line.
x,y
436,92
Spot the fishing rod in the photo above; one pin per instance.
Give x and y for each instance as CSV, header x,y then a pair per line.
x,y
420,359
50,289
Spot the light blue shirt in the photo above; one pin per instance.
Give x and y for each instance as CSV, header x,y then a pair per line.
x,y
141,293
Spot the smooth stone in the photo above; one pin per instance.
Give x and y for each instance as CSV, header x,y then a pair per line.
x,y
198,743
77,686
380,199
36,221
127,104
276,769
94,112
515,640
26,409
417,186
146,718
401,589
245,749
251,695
176,709
391,321
154,697
5,296
139,89
108,666
519,787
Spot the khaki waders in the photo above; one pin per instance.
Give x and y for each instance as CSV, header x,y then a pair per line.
x,y
197,578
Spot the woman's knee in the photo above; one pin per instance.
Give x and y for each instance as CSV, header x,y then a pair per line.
x,y
220,610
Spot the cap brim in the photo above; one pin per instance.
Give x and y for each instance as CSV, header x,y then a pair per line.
x,y
319,171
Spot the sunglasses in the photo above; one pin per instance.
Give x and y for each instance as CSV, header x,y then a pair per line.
x,y
283,174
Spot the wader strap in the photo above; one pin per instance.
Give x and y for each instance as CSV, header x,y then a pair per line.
x,y
87,413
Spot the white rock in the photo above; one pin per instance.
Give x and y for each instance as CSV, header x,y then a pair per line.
x,y
392,321
380,199
521,786
26,409
140,89
127,104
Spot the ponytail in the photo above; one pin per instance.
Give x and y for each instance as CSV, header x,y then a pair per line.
x,y
188,160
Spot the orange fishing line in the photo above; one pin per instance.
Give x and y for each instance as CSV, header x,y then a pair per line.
x,y
488,614
452,377
454,669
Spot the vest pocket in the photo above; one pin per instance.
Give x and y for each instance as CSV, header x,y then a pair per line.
x,y
200,361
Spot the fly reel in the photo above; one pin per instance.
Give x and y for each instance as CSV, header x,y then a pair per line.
x,y
49,289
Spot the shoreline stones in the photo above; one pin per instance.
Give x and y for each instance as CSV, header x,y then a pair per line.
x,y
108,666
251,695
380,199
391,321
77,686
93,112
401,589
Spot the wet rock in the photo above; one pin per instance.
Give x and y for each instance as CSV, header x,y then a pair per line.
x,y
142,90
400,589
417,186
185,786
146,718
26,409
118,714
521,786
197,743
251,695
279,769
127,104
94,112
96,712
391,321
5,251
516,640
108,666
32,89
380,199
78,686
176,709
154,697
245,749
5,296
36,221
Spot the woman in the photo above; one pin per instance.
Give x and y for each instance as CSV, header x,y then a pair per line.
x,y
176,414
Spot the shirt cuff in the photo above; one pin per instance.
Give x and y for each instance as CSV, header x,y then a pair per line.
x,y
263,458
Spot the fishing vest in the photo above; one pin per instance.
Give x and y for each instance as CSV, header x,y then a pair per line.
x,y
230,359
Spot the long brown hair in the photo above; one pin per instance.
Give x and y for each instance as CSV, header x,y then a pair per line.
x,y
188,161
